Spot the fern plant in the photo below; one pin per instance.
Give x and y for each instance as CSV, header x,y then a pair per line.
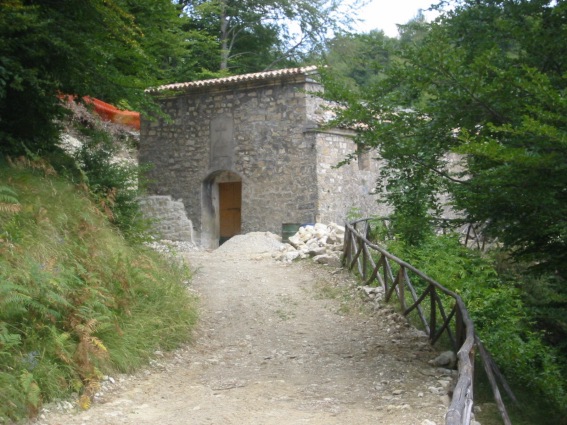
x,y
31,391
9,201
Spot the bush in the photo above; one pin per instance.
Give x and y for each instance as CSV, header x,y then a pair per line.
x,y
114,183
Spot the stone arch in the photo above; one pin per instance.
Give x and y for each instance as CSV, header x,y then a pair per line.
x,y
221,207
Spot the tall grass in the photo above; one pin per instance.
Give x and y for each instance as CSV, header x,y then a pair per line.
x,y
76,300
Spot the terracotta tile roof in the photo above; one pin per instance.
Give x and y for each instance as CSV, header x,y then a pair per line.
x,y
235,79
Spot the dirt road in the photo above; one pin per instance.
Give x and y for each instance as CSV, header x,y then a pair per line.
x,y
278,344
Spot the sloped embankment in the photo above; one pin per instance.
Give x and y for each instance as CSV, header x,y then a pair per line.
x,y
76,301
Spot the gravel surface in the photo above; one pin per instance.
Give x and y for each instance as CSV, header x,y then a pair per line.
x,y
277,344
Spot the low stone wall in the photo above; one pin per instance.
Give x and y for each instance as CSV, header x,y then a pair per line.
x,y
171,221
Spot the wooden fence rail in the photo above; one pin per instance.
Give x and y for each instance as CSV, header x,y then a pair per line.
x,y
440,312
471,235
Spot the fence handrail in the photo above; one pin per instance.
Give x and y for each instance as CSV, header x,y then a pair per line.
x,y
471,233
465,341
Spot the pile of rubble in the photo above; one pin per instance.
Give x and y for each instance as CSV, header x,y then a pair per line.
x,y
324,243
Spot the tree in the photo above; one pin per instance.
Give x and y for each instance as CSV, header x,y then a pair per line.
x,y
486,82
360,59
163,37
111,49
253,35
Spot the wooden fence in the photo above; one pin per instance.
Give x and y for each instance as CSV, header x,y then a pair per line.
x,y
440,312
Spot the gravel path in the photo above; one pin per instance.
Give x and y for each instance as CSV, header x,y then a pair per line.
x,y
278,344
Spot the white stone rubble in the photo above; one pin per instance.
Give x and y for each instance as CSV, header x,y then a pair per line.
x,y
166,246
447,358
323,243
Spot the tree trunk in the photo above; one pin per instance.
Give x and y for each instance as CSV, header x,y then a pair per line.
x,y
225,52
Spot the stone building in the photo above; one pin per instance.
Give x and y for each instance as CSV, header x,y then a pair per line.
x,y
250,153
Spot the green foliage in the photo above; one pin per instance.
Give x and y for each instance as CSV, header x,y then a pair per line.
x,y
547,301
108,49
486,82
25,115
353,214
115,185
76,301
256,35
165,42
502,319
359,59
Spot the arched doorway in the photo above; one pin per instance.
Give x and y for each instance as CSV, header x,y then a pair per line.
x,y
222,208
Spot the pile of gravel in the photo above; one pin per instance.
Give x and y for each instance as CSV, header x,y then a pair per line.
x,y
252,243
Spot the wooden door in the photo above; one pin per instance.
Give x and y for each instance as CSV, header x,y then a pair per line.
x,y
230,202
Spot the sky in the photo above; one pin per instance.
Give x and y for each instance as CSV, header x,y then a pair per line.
x,y
385,14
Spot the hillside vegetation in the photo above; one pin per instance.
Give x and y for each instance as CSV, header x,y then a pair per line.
x,y
504,321
76,300
472,107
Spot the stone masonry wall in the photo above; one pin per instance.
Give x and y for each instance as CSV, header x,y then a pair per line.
x,y
255,131
171,222
350,187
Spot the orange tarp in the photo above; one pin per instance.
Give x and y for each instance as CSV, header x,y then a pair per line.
x,y
109,112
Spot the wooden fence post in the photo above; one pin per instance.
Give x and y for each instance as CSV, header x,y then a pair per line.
x,y
364,261
401,288
460,329
432,313
346,248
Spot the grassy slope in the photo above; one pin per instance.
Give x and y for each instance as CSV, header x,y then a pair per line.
x,y
76,301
